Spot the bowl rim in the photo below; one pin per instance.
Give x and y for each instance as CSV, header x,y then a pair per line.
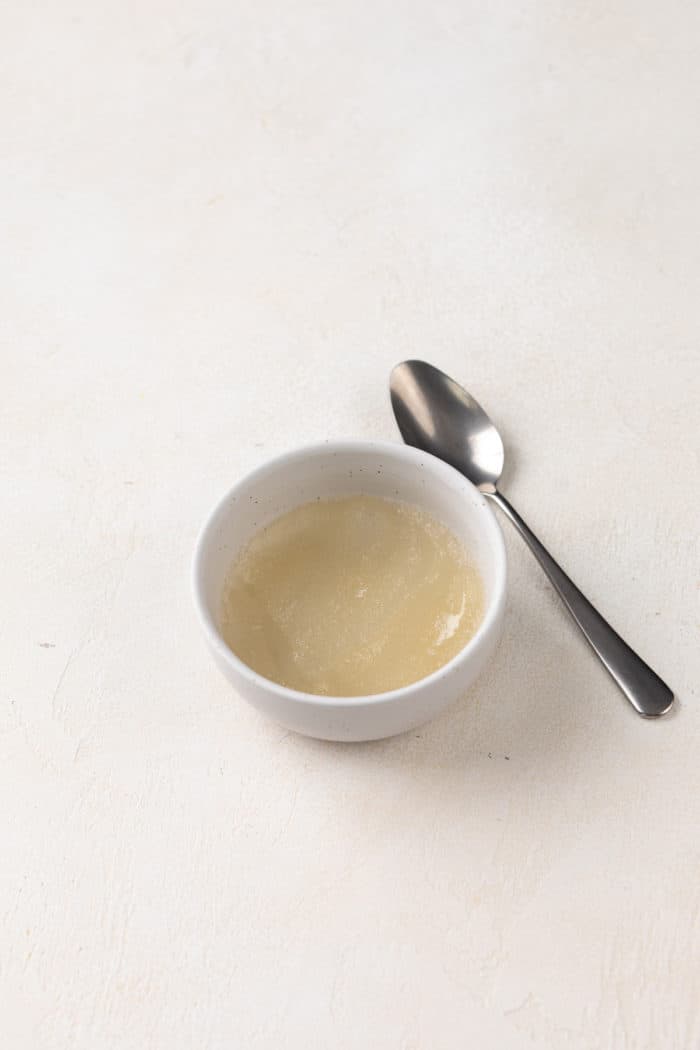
x,y
442,473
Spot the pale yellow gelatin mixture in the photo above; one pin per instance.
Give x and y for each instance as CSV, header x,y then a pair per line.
x,y
351,596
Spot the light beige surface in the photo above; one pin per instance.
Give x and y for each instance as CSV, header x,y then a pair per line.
x,y
223,223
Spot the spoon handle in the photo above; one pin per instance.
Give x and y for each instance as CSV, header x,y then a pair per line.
x,y
643,688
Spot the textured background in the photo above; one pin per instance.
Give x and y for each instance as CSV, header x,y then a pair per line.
x,y
222,224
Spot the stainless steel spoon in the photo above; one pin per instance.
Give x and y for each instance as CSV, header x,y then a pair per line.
x,y
436,414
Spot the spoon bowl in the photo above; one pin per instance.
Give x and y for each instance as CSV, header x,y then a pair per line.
x,y
436,414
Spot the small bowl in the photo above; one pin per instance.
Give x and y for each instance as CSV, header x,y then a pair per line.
x,y
330,470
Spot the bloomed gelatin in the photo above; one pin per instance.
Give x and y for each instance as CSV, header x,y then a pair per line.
x,y
350,597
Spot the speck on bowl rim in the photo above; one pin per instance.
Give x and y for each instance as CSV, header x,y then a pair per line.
x,y
332,469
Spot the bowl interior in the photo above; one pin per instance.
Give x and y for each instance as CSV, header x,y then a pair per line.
x,y
329,471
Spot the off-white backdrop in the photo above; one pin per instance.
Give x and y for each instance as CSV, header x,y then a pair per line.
x,y
223,223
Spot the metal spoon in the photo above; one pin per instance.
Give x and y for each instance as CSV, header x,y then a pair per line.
x,y
436,414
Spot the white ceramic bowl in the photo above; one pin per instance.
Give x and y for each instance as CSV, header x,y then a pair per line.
x,y
339,469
